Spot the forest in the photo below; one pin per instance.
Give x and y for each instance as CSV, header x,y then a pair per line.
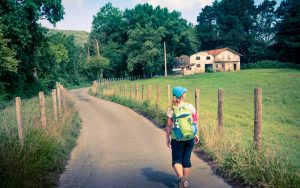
x,y
130,42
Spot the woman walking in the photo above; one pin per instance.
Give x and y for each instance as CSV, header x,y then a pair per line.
x,y
181,134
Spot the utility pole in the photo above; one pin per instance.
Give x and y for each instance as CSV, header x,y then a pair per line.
x,y
166,74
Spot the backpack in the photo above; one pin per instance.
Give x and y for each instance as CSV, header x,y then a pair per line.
x,y
183,126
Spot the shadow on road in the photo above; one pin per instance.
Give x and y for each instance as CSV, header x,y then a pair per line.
x,y
161,177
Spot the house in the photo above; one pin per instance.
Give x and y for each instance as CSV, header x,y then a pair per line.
x,y
224,59
179,63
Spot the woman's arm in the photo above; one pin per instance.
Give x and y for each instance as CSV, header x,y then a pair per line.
x,y
168,131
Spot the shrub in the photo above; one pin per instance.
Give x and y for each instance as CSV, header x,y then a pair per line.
x,y
269,64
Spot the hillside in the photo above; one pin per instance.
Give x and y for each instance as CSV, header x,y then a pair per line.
x,y
81,37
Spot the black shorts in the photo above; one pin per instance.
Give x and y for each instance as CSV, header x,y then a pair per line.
x,y
181,152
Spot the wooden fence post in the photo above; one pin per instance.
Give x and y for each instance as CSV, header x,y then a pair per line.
x,y
19,121
43,110
54,104
158,95
257,118
197,102
102,88
63,100
136,91
106,88
58,98
220,110
149,92
125,88
169,94
142,92
130,91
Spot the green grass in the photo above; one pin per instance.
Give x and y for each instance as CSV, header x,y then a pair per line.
x,y
44,154
279,165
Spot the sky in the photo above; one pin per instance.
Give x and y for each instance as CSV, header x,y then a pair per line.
x,y
79,13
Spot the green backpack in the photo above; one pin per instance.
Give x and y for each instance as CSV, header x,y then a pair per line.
x,y
184,129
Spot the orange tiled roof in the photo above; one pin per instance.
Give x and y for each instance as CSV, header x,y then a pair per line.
x,y
216,51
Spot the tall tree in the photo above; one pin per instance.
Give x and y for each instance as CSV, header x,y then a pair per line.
x,y
143,50
176,32
207,28
20,19
108,29
229,23
266,21
287,38
8,64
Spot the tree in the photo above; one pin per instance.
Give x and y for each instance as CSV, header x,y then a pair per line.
x,y
266,21
108,29
96,65
8,63
176,32
287,38
207,28
143,50
26,37
114,31
230,23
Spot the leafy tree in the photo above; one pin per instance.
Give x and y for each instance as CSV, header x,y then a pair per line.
x,y
207,28
287,38
239,25
266,21
67,55
109,33
115,32
143,50
95,66
26,37
8,63
176,32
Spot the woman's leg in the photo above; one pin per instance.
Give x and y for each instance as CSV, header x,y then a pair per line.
x,y
186,172
178,169
186,162
177,154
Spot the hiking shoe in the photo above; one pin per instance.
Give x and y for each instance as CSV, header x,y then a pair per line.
x,y
183,182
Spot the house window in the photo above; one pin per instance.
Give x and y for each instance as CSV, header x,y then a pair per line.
x,y
197,57
207,57
198,65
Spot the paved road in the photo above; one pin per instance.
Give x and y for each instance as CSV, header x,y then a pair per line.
x,y
119,148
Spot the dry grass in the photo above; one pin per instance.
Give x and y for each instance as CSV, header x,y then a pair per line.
x,y
44,153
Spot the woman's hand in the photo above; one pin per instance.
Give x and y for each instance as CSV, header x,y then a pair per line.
x,y
196,139
168,141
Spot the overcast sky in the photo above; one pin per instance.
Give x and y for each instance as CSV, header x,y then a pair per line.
x,y
79,13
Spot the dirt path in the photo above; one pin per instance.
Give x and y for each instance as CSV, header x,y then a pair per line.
x,y
119,148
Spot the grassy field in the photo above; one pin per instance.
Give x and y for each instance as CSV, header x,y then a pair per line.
x,y
281,116
81,37
44,154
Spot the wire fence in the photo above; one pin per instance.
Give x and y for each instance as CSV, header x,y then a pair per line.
x,y
19,116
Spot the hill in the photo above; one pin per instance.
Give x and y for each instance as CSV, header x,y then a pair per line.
x,y
81,37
